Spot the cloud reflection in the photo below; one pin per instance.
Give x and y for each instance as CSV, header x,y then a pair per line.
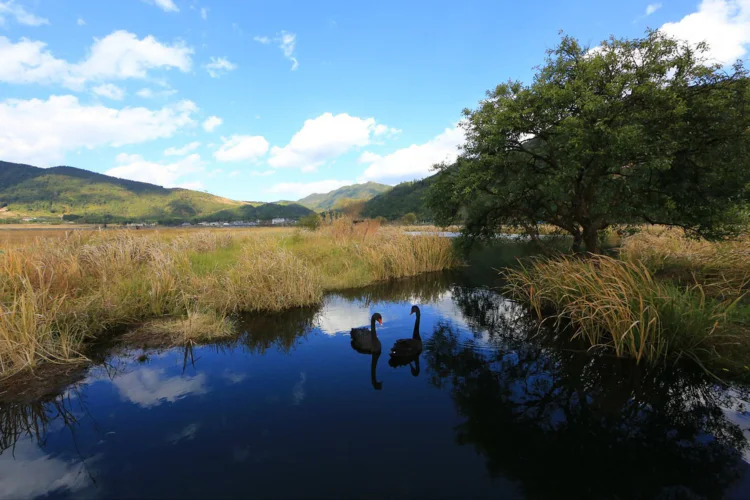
x,y
149,387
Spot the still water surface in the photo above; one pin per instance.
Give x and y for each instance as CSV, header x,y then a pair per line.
x,y
290,410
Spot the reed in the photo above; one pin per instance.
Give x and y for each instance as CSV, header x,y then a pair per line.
x,y
622,306
57,294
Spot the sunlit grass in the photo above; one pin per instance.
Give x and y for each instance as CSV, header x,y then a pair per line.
x,y
55,294
622,306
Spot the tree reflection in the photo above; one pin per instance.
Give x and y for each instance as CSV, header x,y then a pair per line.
x,y
282,331
423,288
569,424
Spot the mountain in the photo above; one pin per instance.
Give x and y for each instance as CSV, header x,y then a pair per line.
x,y
402,199
76,194
321,202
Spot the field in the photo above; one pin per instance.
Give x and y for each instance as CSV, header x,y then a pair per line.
x,y
59,291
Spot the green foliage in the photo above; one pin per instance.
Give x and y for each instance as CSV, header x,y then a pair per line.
x,y
402,199
311,222
343,196
87,197
409,219
638,130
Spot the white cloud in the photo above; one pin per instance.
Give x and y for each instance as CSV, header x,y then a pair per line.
x,y
40,131
148,387
81,22
148,93
242,147
286,42
298,190
204,13
19,14
724,24
117,56
110,91
652,7
219,66
165,5
136,168
323,138
414,162
234,173
210,124
263,173
187,148
381,129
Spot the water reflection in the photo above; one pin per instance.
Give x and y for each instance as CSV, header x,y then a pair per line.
x,y
570,425
500,410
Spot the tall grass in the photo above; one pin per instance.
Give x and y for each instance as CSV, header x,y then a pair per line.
x,y
622,306
57,294
722,267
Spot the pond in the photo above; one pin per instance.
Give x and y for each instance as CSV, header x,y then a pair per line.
x,y
289,409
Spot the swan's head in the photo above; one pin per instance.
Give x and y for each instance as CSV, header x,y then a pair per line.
x,y
377,317
414,310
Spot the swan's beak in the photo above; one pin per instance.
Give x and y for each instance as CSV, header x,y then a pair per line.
x,y
411,313
380,321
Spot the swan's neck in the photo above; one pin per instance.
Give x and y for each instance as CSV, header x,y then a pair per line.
x,y
416,326
373,367
372,328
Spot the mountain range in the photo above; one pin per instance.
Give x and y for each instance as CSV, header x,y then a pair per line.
x,y
343,196
75,194
79,195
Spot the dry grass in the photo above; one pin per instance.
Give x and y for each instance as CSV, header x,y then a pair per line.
x,y
55,297
622,306
722,267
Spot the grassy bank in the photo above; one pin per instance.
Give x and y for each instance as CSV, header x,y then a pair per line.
x,y
666,297
58,293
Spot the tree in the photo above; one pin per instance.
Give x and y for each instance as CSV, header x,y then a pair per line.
x,y
409,219
310,221
641,130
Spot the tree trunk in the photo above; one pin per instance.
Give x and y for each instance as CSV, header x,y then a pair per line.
x,y
591,239
577,241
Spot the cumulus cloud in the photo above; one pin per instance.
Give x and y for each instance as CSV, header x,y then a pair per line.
x,y
165,5
40,131
136,168
187,148
414,162
724,24
16,12
110,91
148,93
652,7
241,147
323,138
118,56
286,41
219,66
204,13
81,22
210,123
298,190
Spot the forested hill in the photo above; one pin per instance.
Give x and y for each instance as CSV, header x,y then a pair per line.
x,y
407,197
343,196
76,194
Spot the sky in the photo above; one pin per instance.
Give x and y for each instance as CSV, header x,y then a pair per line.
x,y
270,100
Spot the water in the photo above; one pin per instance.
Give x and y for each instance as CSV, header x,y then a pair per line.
x,y
290,410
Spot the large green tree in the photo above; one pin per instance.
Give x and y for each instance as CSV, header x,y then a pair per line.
x,y
641,130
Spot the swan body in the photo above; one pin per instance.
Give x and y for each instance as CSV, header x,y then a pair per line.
x,y
409,348
365,340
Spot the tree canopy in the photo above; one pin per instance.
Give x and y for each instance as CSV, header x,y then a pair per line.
x,y
641,130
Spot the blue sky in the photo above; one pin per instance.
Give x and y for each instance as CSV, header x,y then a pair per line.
x,y
276,100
